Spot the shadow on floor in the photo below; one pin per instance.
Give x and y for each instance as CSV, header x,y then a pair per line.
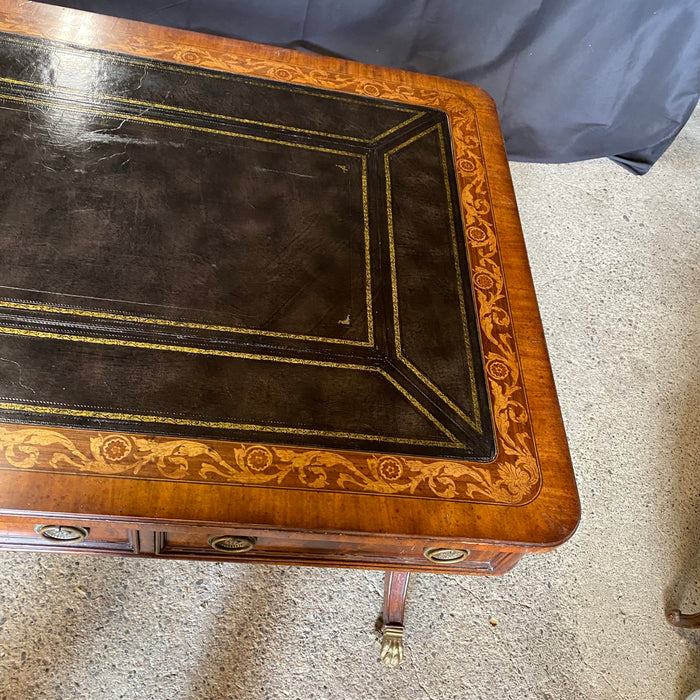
x,y
244,638
684,590
48,635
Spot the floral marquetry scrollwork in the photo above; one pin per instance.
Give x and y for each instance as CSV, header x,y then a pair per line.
x,y
191,460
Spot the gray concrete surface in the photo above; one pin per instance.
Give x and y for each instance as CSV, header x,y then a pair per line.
x,y
616,265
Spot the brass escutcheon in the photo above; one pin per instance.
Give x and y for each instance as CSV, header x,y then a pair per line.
x,y
231,544
442,555
62,533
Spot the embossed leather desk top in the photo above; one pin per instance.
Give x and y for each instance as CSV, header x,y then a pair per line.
x,y
242,258
267,275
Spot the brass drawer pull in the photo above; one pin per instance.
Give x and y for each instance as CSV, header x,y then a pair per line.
x,y
62,533
441,555
231,544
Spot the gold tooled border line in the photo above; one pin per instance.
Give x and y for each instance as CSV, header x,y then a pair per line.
x,y
213,327
454,442
259,82
220,425
140,118
476,421
210,115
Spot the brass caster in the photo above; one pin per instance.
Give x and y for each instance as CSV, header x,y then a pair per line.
x,y
392,646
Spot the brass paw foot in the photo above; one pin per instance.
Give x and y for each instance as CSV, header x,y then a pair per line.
x,y
392,646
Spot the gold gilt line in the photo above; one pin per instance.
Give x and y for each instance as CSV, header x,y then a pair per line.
x,y
460,287
224,425
413,139
178,324
182,110
421,408
392,255
213,115
226,353
287,87
476,425
368,261
396,128
279,83
149,120
211,73
473,422
177,125
234,329
8,330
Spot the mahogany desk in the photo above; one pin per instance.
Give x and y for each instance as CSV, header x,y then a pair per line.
x,y
262,306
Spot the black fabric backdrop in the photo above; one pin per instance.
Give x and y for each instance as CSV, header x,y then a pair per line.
x,y
572,80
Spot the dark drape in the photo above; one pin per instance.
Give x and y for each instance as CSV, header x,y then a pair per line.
x,y
572,80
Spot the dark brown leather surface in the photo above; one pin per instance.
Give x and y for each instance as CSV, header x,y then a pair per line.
x,y
197,253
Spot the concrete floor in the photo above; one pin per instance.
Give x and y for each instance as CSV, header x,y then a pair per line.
x,y
616,265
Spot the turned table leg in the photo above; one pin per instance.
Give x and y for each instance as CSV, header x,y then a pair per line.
x,y
395,585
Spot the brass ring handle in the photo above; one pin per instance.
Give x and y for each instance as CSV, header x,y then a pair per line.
x,y
442,555
231,544
62,533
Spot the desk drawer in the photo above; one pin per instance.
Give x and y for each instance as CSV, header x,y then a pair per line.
x,y
66,535
347,551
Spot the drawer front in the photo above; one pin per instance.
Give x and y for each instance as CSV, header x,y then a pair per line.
x,y
66,535
76,535
331,550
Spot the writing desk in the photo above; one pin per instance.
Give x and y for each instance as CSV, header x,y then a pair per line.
x,y
262,306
